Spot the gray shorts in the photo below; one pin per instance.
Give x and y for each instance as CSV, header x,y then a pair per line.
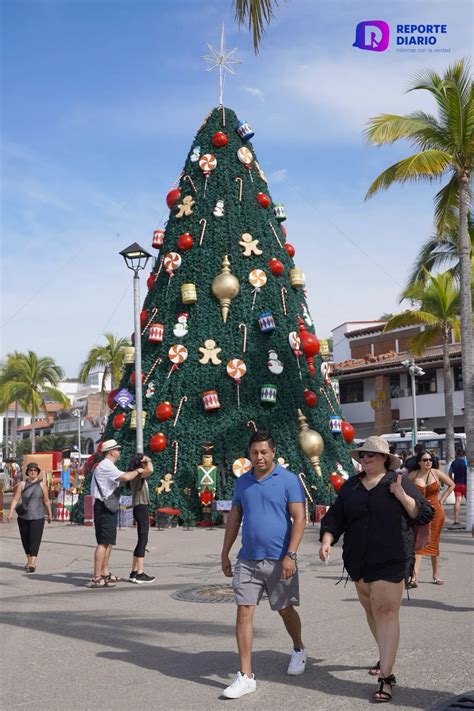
x,y
254,577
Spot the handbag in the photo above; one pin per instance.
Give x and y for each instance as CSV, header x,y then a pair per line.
x,y
112,502
21,509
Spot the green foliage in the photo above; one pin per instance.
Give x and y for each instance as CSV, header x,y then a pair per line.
x,y
257,13
109,356
48,443
228,428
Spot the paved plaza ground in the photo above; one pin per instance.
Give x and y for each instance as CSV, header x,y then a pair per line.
x,y
132,647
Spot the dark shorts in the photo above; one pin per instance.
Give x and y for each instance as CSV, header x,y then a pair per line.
x,y
460,490
105,523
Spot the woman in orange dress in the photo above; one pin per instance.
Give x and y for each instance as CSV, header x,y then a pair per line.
x,y
428,481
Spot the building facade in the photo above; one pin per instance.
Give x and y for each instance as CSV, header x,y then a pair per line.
x,y
375,386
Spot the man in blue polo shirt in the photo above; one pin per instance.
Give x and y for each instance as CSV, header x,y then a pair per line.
x,y
269,501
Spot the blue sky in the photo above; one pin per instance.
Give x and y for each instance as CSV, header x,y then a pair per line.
x,y
101,101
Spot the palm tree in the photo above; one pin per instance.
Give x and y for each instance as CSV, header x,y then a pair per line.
x,y
438,254
438,309
445,147
109,357
29,379
257,13
6,375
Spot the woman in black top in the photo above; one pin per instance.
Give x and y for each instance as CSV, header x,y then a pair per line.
x,y
376,510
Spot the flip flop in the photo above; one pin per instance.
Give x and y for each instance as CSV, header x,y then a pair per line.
x,y
438,581
111,578
100,583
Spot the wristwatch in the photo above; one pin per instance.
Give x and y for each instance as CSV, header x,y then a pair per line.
x,y
292,555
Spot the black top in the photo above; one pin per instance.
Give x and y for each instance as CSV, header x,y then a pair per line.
x,y
378,532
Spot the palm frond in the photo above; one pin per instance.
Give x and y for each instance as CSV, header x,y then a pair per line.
x,y
433,254
388,128
427,165
423,340
446,203
258,13
410,318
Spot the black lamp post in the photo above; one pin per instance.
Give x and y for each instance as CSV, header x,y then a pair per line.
x,y
136,259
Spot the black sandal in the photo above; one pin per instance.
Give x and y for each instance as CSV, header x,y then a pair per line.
x,y
375,670
382,696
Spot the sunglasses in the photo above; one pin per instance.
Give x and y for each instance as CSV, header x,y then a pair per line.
x,y
370,455
427,459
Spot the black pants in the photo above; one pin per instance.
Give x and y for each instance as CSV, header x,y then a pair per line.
x,y
31,533
140,515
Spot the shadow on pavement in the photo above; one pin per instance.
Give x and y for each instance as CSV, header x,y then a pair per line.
x,y
133,641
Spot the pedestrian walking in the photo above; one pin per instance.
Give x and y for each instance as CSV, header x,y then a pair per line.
x,y
30,512
428,481
375,512
410,462
269,501
105,488
458,473
141,502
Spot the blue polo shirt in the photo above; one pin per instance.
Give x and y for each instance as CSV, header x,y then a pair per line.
x,y
266,524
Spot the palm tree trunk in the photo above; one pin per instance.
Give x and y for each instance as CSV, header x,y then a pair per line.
x,y
33,433
466,338
448,398
14,431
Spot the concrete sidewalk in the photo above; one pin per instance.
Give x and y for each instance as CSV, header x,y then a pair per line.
x,y
132,647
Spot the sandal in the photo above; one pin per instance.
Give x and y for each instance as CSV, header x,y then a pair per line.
x,y
100,583
375,670
111,578
438,581
30,569
382,696
411,584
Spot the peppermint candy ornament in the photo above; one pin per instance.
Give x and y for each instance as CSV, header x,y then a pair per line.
x,y
257,279
236,369
245,156
177,355
207,163
172,262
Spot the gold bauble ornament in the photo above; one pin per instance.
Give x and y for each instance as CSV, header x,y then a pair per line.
x,y
129,354
310,442
225,287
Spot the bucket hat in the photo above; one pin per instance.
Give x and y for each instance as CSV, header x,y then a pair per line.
x,y
33,465
110,444
378,445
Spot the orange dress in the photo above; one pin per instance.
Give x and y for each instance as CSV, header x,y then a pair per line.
x,y
431,494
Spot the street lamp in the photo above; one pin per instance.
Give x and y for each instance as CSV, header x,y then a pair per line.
x,y
414,370
77,413
136,259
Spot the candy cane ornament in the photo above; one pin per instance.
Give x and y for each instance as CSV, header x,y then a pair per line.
x,y
183,399
251,423
153,366
295,345
283,293
243,329
207,163
150,320
258,279
202,222
177,355
236,370
275,235
188,177
241,186
175,446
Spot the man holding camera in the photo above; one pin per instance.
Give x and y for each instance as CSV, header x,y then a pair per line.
x,y
105,484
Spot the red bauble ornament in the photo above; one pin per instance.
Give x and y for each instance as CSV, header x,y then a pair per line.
x,y
110,399
143,317
185,241
263,200
290,250
118,421
310,398
164,411
219,139
172,197
336,480
151,281
275,266
348,431
283,229
309,343
158,442
133,378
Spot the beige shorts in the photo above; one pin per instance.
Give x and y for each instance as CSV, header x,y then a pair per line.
x,y
254,577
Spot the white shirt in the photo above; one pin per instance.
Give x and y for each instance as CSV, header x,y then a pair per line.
x,y
107,474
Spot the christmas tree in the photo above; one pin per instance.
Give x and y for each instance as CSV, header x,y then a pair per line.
x,y
228,344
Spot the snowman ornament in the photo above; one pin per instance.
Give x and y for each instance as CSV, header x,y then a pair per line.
x,y
274,365
218,210
180,328
195,155
341,471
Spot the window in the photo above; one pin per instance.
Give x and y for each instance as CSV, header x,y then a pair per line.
x,y
93,379
352,391
425,384
457,377
395,386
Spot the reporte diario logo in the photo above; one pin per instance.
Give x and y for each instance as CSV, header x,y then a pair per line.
x,y
373,35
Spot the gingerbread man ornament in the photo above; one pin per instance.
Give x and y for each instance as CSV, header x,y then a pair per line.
x,y
185,208
210,353
250,245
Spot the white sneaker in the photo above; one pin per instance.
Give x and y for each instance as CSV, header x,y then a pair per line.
x,y
297,663
241,685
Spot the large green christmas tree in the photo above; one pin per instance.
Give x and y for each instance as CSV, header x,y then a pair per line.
x,y
227,339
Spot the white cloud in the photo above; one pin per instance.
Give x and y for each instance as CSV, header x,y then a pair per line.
x,y
278,176
253,91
